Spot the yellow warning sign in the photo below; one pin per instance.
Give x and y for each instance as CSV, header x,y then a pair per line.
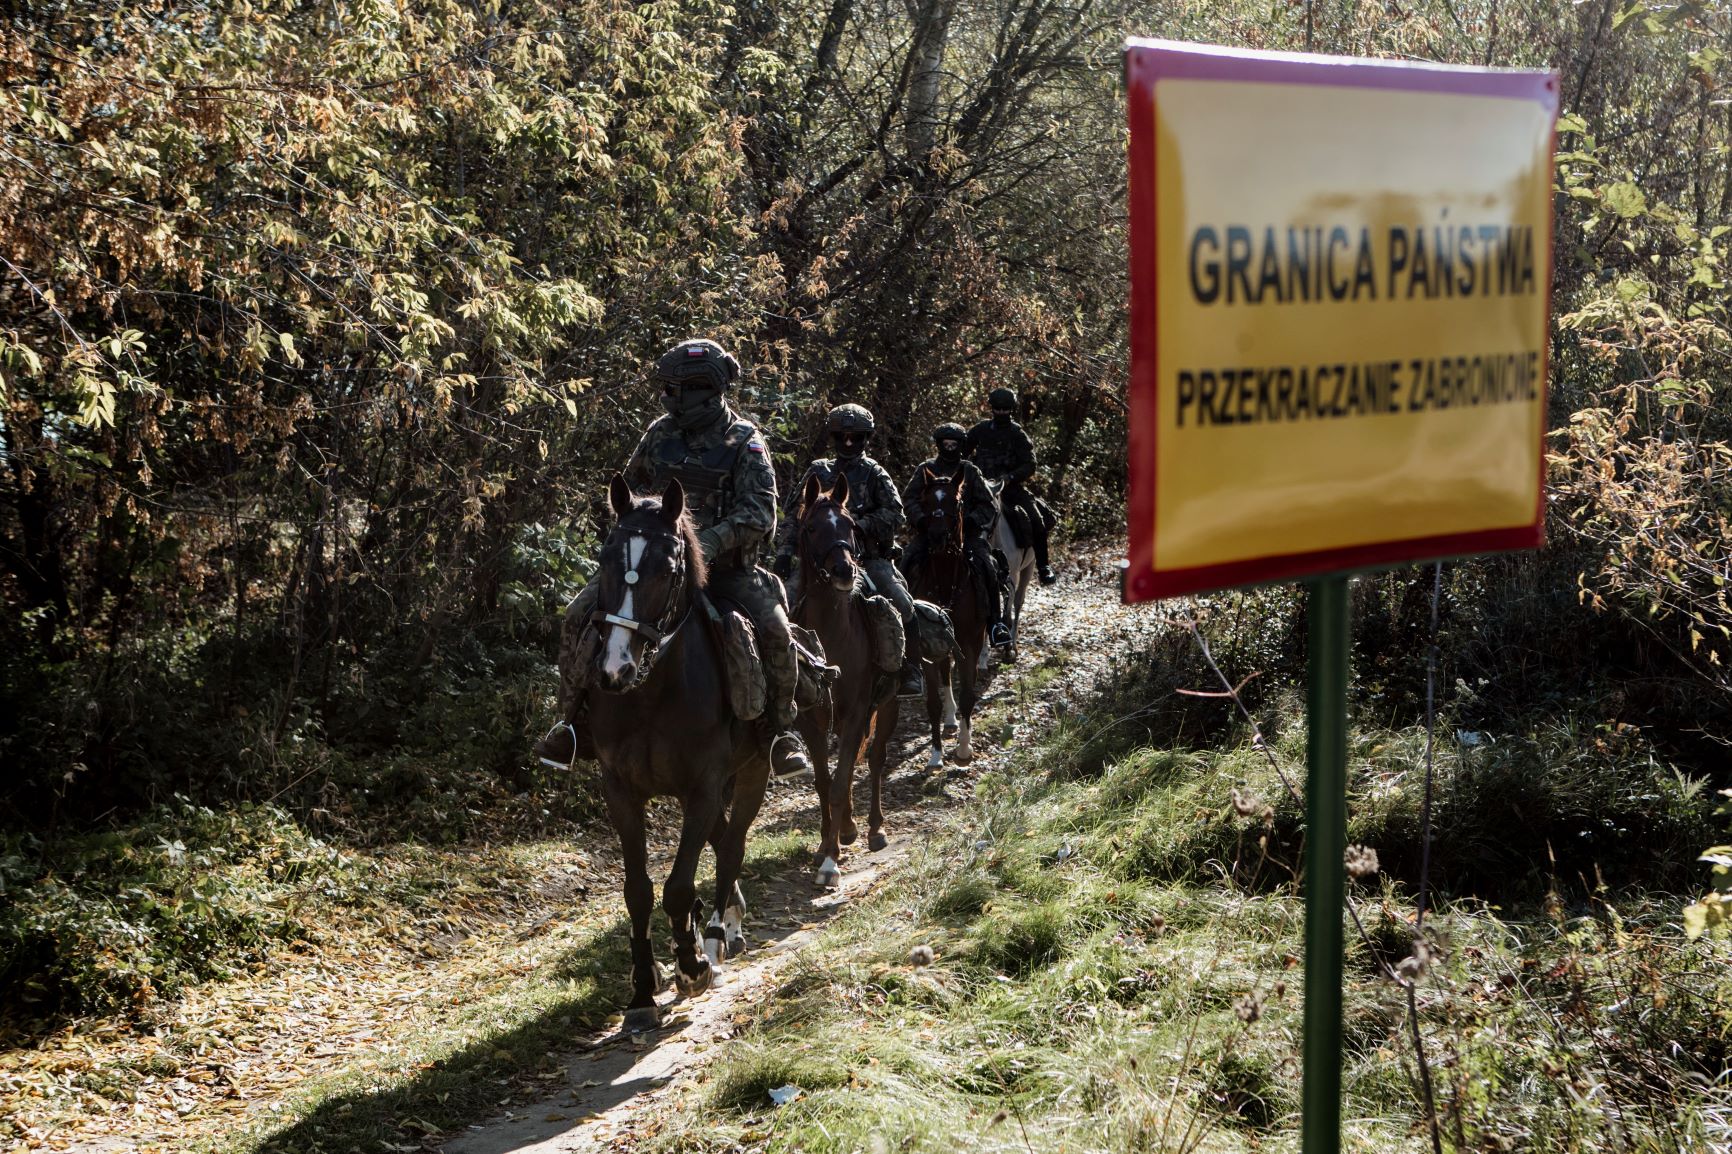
x,y
1341,279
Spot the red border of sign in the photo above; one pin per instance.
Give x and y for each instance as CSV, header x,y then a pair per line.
x,y
1147,61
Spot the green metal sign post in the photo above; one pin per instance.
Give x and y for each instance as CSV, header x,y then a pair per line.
x,y
1325,865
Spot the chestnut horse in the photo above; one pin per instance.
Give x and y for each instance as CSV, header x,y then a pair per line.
x,y
663,727
861,706
944,577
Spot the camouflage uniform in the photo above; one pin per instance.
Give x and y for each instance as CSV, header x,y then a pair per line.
x,y
1003,451
724,467
731,494
874,503
978,511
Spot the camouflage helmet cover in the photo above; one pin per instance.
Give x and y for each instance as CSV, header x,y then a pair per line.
x,y
850,419
702,363
949,431
1001,399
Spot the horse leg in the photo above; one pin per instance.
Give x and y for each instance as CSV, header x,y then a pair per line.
x,y
842,785
728,840
937,690
693,973
818,746
883,725
963,751
626,813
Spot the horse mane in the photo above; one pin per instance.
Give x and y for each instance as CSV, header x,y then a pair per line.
x,y
645,508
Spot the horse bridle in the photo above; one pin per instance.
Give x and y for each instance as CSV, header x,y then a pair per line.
x,y
658,633
847,546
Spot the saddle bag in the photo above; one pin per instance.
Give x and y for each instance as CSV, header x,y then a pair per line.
x,y
936,634
815,673
1048,519
747,690
888,638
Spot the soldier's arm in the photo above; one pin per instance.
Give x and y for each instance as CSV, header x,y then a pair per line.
x,y
753,515
886,519
790,512
1022,452
982,506
911,494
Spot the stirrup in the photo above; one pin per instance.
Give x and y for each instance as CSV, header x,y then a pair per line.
x,y
999,635
798,761
548,748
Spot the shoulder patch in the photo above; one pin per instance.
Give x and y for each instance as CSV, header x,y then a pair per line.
x,y
755,445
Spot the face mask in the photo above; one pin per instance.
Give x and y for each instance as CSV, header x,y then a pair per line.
x,y
848,446
693,408
950,456
1001,416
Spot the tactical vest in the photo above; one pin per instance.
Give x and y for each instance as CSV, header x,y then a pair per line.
x,y
708,477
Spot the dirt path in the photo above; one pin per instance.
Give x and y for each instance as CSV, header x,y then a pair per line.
x,y
443,951
613,1085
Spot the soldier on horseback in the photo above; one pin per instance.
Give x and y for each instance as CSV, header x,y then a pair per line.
x,y
1001,449
874,503
720,459
979,509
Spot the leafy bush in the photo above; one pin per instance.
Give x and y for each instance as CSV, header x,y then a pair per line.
x,y
110,923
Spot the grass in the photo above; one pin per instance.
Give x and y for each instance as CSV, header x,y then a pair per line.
x,y
1117,963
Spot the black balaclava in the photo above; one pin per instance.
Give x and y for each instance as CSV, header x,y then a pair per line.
x,y
849,446
693,408
1001,417
950,457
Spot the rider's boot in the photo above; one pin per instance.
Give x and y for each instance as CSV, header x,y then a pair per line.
x,y
788,757
999,634
1042,561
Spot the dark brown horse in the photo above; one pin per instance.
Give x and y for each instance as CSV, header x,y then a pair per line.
x,y
663,727
861,706
944,577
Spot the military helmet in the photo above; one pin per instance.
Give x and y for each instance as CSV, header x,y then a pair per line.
x,y
949,431
850,419
1001,399
702,363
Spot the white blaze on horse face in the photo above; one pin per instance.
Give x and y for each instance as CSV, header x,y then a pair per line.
x,y
618,655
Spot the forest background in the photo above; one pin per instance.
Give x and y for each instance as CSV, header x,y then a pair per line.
x,y
321,324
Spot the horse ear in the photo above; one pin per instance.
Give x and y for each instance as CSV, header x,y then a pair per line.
x,y
839,491
673,502
812,491
619,495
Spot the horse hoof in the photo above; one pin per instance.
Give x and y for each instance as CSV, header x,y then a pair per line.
x,y
950,729
736,945
876,840
829,874
934,759
641,1019
848,834
960,757
691,985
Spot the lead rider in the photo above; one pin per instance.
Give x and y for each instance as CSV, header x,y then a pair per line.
x,y
720,459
